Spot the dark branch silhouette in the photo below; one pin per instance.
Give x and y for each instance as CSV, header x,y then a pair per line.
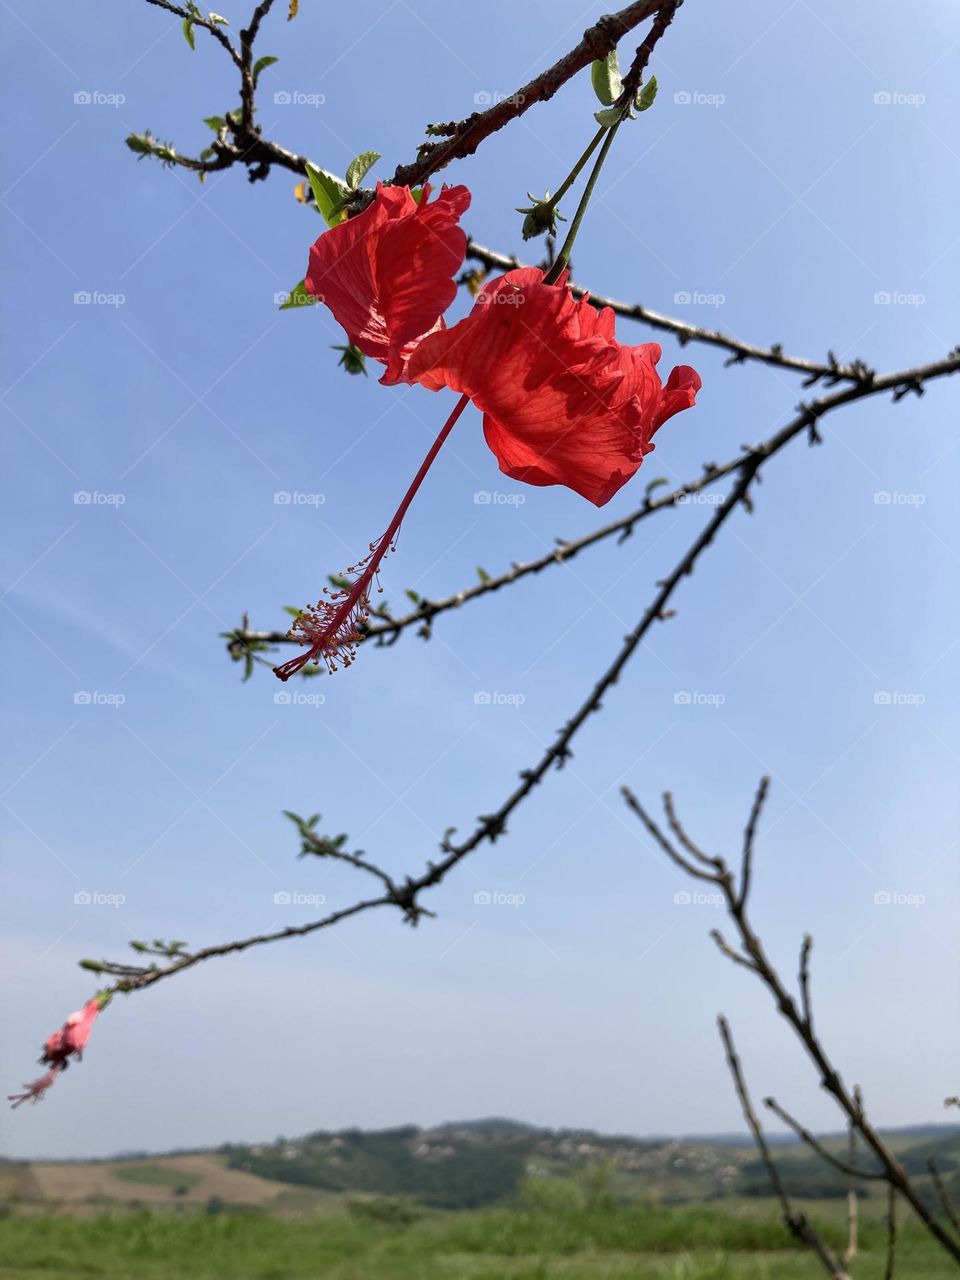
x,y
752,955
830,372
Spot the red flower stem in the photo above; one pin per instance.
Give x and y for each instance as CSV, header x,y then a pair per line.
x,y
362,584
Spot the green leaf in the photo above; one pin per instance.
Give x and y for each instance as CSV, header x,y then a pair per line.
x,y
359,167
298,297
292,609
215,123
605,76
328,191
608,117
352,359
412,595
188,33
646,95
93,965
260,65
482,574
341,583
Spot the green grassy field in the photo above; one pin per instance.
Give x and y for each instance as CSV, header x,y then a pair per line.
x,y
613,1243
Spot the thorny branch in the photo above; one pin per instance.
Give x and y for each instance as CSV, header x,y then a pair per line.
x,y
406,894
752,955
245,641
830,372
241,140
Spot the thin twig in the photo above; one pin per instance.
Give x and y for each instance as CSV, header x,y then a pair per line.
x,y
830,371
948,1206
809,414
672,853
844,1166
804,979
678,830
853,1204
749,836
796,1222
891,1233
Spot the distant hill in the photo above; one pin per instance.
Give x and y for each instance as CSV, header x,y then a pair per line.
x,y
455,1165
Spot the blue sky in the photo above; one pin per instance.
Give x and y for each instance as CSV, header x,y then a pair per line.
x,y
783,186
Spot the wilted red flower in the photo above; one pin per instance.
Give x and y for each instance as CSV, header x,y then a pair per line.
x,y
387,274
563,402
59,1047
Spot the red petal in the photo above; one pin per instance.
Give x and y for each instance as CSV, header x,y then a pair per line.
x,y
679,393
387,274
547,392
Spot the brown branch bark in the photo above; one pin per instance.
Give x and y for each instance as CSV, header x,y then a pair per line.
x,y
464,136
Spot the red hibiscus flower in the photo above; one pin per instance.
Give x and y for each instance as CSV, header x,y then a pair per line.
x,y
563,402
69,1041
387,274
